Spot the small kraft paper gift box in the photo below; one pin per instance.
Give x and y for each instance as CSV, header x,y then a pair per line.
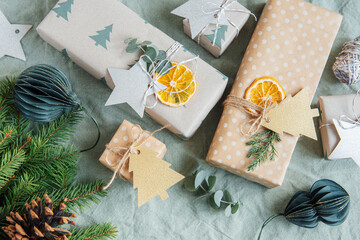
x,y
122,139
216,41
291,43
339,126
92,33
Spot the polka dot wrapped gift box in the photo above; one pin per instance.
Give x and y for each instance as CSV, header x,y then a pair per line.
x,y
291,43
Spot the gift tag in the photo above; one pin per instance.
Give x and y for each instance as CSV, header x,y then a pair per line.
x,y
293,116
151,175
11,35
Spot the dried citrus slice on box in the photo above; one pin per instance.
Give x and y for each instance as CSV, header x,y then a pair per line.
x,y
265,90
181,86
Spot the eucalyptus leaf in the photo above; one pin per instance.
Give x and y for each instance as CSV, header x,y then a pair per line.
x,y
161,55
133,41
200,176
132,48
217,197
212,201
146,43
189,184
235,207
228,210
227,197
211,182
164,67
127,40
151,55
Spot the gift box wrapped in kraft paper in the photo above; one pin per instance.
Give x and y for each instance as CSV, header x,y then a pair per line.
x,y
339,126
291,43
226,33
92,34
122,139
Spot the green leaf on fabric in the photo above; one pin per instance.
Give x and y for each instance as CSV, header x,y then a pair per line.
x,y
161,55
211,182
200,177
228,210
132,48
235,208
127,40
227,197
212,201
217,197
146,43
189,184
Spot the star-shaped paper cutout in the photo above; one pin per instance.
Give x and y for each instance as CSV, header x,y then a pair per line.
x,y
133,87
201,13
349,137
11,35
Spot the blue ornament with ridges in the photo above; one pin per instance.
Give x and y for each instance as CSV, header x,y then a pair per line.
x,y
43,93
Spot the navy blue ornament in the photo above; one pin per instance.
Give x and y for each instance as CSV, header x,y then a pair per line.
x,y
43,93
327,202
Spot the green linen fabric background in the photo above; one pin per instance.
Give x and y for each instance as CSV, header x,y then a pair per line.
x,y
182,216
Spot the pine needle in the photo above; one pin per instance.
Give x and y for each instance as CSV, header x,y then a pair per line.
x,y
262,148
96,232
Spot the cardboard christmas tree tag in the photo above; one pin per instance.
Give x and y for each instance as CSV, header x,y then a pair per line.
x,y
293,116
151,175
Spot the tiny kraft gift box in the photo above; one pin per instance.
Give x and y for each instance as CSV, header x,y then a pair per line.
x,y
291,43
123,138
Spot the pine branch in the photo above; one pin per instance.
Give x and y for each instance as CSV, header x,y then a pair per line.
x,y
262,148
96,232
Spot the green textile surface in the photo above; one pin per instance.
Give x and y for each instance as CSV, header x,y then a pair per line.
x,y
182,216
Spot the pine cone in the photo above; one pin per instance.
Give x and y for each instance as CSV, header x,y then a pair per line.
x,y
39,223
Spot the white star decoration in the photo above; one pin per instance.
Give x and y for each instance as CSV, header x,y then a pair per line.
x,y
133,87
349,138
201,13
11,35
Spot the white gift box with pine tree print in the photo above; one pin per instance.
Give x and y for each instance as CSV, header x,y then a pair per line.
x,y
225,34
92,34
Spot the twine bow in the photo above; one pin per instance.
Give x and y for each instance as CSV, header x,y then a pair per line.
x,y
257,112
137,141
154,75
218,11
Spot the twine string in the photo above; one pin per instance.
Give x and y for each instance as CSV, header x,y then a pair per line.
x,y
154,85
216,11
137,140
257,112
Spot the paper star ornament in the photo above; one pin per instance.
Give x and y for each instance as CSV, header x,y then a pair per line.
x,y
133,87
348,143
11,35
293,116
201,13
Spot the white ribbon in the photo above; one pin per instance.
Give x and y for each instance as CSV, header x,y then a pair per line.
x,y
218,11
154,85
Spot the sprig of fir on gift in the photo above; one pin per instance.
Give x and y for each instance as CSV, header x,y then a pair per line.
x,y
202,185
262,148
36,159
154,55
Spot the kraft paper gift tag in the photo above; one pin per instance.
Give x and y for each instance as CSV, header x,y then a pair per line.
x,y
291,43
338,108
97,43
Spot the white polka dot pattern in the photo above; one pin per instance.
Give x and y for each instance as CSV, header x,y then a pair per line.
x,y
124,136
291,42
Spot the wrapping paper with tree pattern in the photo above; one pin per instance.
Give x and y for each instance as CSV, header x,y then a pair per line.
x,y
92,34
123,138
291,42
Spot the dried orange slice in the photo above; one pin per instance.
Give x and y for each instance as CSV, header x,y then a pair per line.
x,y
265,90
180,86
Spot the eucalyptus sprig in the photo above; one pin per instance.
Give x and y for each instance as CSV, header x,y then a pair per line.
x,y
154,55
202,184
262,148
